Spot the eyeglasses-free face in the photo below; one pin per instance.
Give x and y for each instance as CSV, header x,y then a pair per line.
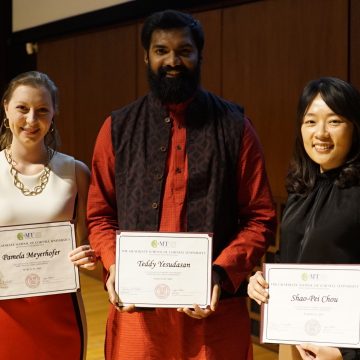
x,y
327,136
30,112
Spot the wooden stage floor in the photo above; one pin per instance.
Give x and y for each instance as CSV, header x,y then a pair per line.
x,y
96,304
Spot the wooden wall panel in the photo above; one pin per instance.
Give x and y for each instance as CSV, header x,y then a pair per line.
x,y
354,70
271,49
56,58
105,81
211,76
95,73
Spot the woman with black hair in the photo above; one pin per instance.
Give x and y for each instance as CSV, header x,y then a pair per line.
x,y
321,219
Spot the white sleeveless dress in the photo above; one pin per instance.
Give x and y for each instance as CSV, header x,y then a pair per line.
x,y
44,327
55,203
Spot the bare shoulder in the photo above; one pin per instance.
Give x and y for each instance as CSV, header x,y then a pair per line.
x,y
81,167
82,173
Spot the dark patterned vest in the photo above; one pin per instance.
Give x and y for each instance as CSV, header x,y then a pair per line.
x,y
140,137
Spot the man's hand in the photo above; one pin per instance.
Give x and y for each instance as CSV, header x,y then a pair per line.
x,y
199,313
113,296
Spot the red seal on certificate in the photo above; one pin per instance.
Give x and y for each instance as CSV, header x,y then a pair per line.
x,y
162,291
32,281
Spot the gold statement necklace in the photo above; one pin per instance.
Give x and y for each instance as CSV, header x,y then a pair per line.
x,y
44,176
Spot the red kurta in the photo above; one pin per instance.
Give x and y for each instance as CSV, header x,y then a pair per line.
x,y
165,333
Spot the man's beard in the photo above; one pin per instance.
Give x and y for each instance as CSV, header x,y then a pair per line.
x,y
174,90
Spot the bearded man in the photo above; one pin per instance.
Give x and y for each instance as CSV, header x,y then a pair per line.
x,y
181,159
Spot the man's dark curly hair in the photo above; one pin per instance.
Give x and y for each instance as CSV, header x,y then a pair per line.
x,y
172,19
344,100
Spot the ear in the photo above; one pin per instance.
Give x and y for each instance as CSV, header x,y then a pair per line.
x,y
5,107
146,57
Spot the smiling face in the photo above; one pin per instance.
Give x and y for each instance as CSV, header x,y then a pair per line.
x,y
30,111
327,137
172,50
173,65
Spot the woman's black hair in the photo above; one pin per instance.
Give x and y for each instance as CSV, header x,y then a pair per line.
x,y
344,100
172,19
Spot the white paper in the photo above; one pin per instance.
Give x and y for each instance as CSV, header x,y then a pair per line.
x,y
317,304
163,269
34,260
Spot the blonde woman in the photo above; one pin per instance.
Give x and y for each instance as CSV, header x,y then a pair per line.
x,y
39,184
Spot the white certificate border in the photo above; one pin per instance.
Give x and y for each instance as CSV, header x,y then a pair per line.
x,y
306,267
42,226
207,236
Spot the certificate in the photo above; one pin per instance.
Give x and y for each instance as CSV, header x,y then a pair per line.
x,y
163,269
317,304
35,262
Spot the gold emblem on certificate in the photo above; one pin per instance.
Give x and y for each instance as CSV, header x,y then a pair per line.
x,y
163,269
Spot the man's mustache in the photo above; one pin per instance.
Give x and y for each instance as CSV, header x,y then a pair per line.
x,y
180,68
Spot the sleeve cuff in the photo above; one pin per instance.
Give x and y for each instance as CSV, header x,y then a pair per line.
x,y
350,354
